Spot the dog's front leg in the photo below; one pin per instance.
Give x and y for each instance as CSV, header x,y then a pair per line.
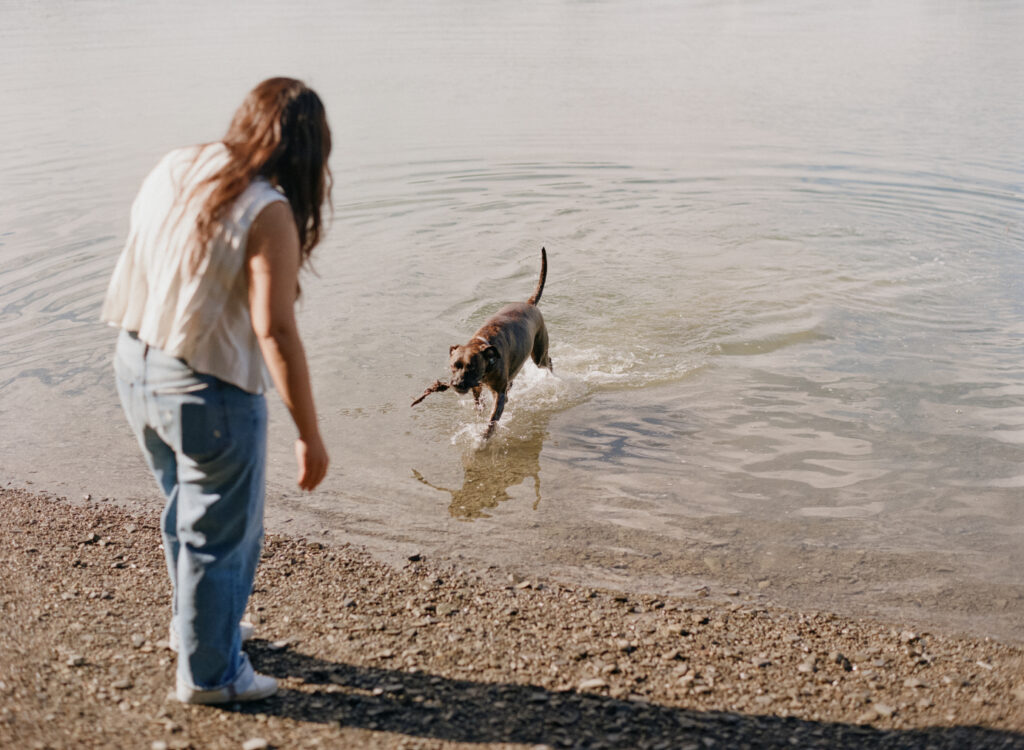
x,y
476,397
499,407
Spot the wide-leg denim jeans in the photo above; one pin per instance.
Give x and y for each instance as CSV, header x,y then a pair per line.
x,y
205,442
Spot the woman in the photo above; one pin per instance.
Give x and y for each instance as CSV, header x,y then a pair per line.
x,y
204,293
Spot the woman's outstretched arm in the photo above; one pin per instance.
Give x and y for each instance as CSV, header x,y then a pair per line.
x,y
273,269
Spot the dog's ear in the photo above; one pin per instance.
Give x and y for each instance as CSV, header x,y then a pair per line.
x,y
452,348
491,356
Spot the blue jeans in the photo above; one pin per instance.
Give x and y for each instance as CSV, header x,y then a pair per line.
x,y
205,442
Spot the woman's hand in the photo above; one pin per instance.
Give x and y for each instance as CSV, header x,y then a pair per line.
x,y
311,456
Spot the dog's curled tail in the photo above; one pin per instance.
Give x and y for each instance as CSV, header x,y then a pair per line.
x,y
543,275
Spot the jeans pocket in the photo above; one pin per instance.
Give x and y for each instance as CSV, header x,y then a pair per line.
x,y
204,428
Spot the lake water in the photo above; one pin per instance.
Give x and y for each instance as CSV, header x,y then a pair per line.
x,y
785,291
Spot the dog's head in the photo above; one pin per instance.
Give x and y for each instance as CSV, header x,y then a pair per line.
x,y
469,363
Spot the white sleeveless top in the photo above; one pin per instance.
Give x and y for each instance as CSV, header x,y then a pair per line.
x,y
201,317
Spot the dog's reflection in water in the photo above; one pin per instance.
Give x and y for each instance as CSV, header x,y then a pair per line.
x,y
490,471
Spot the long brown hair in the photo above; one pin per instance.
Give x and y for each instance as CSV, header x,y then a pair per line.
x,y
280,133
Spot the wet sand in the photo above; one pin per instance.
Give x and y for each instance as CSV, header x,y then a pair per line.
x,y
426,653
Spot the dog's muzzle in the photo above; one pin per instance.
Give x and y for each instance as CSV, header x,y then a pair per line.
x,y
462,386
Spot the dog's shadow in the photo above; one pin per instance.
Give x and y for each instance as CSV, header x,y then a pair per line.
x,y
424,705
490,470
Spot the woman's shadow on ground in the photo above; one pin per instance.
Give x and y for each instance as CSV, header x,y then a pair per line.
x,y
430,706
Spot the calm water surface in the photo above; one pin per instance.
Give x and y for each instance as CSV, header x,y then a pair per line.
x,y
785,294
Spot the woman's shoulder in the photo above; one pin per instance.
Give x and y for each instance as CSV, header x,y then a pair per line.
x,y
180,164
199,161
260,194
261,186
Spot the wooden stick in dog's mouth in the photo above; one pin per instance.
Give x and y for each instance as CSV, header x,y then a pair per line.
x,y
434,387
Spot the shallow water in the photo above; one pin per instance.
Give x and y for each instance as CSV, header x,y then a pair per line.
x,y
785,294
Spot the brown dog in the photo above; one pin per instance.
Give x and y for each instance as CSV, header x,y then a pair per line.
x,y
497,351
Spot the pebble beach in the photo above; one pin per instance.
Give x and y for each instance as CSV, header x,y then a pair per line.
x,y
431,654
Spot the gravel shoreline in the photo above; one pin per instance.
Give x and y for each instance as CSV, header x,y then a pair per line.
x,y
426,655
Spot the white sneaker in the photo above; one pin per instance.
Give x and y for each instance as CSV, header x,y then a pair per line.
x,y
247,628
248,686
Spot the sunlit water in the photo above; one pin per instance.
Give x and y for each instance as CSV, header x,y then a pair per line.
x,y
785,292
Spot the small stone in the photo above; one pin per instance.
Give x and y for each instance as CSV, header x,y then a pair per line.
x,y
884,710
713,563
138,640
415,557
908,636
279,645
444,609
1018,692
158,745
75,661
125,684
914,682
593,684
807,666
838,658
761,663
256,743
